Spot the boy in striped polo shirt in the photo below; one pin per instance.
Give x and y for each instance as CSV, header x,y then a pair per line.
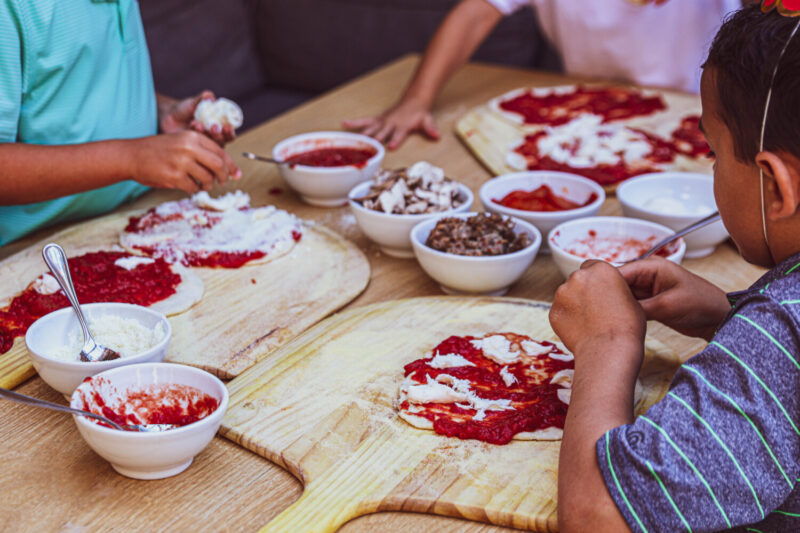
x,y
722,449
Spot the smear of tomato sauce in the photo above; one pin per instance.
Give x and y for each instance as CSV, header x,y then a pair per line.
x,y
540,199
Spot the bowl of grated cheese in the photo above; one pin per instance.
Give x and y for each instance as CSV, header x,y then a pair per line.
x,y
54,342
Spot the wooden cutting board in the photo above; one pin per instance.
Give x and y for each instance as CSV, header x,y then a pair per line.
x,y
321,407
245,313
489,136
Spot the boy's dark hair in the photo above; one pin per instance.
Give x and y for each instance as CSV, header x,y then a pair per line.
x,y
743,57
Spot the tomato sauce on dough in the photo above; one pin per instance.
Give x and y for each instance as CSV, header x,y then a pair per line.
x,y
555,109
540,199
96,279
534,398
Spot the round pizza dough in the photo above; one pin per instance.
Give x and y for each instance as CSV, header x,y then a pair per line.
x,y
188,292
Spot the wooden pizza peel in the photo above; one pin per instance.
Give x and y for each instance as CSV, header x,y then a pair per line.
x,y
489,136
322,407
245,313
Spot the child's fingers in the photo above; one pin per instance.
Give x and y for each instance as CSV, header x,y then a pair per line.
x,y
357,124
429,127
398,137
202,175
385,132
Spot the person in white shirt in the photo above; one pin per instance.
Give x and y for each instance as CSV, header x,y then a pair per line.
x,y
627,40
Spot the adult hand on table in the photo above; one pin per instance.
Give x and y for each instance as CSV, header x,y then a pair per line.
x,y
178,115
675,297
395,124
185,160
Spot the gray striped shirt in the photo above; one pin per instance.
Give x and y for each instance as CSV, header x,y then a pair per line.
x,y
722,449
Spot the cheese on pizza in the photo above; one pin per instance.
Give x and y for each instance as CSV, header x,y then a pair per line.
x,y
213,232
494,388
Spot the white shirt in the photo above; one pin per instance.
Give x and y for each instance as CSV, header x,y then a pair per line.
x,y
660,46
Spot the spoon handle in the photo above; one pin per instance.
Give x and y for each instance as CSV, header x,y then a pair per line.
x,y
256,157
36,402
56,260
697,225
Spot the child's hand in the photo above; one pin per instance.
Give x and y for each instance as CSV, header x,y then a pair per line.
x,y
675,297
395,124
178,115
594,310
185,160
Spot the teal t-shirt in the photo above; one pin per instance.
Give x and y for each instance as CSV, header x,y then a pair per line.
x,y
72,71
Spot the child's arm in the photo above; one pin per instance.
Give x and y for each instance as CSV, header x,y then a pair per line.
x,y
675,297
187,160
720,450
598,319
462,31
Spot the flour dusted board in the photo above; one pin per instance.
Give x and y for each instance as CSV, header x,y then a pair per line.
x,y
490,136
322,408
245,313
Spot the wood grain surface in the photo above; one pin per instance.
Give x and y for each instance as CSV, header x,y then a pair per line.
x,y
322,407
53,482
490,136
245,313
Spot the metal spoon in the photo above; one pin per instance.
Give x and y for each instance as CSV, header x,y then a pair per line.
x,y
36,402
256,157
56,260
672,238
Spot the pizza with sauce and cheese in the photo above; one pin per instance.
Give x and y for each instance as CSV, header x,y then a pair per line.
x,y
608,134
222,232
103,276
494,388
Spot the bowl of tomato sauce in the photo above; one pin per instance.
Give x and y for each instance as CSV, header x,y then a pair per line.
x,y
190,399
543,198
323,166
614,240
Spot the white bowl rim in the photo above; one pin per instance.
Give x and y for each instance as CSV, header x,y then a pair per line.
x,y
95,365
415,216
655,225
530,228
218,412
577,212
642,179
380,152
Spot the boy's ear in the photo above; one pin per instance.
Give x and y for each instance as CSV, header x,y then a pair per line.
x,y
784,184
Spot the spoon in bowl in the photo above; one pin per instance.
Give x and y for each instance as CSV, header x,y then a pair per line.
x,y
256,157
703,222
56,260
36,402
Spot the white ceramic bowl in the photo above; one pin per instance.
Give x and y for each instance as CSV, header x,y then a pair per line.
x,y
573,230
55,329
154,455
326,186
457,274
679,188
570,186
392,232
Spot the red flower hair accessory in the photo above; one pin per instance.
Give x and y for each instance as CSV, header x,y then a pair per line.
x,y
787,8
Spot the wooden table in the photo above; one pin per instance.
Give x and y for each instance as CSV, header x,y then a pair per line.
x,y
52,481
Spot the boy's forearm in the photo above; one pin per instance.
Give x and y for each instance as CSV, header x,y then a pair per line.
x,y
602,399
35,173
461,33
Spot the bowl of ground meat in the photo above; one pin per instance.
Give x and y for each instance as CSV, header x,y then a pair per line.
x,y
475,253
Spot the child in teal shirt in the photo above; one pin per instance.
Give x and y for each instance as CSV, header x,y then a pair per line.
x,y
79,116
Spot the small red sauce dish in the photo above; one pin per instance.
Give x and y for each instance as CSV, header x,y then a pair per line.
x,y
611,239
151,393
323,166
543,198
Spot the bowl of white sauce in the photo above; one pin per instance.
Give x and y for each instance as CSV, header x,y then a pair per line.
x,y
138,334
675,200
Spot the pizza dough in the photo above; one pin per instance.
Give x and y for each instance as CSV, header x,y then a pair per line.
x,y
220,232
187,293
